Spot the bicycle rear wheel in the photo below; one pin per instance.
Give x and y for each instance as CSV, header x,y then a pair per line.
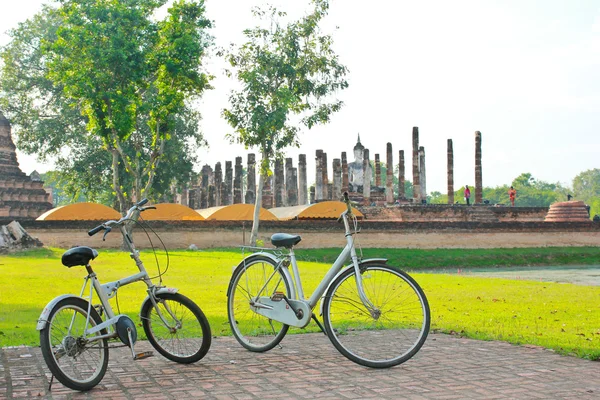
x,y
253,278
75,360
186,338
388,335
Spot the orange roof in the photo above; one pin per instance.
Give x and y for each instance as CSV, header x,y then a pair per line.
x,y
322,210
236,212
171,212
80,212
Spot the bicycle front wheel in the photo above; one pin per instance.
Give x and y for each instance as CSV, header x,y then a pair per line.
x,y
185,337
255,277
389,334
75,359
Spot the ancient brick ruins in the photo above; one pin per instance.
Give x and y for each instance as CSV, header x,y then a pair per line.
x,y
20,195
288,184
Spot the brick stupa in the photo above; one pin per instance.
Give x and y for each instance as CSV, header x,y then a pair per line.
x,y
20,196
568,211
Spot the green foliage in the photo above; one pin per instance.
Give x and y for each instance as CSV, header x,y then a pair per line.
x,y
586,187
108,92
284,70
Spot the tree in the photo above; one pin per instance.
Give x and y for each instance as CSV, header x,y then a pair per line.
x,y
284,71
103,75
586,187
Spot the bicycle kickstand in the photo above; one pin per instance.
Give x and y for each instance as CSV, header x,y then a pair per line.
x,y
319,323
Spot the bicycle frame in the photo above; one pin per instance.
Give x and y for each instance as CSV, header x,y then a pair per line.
x,y
269,307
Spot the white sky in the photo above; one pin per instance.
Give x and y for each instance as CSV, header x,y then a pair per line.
x,y
525,73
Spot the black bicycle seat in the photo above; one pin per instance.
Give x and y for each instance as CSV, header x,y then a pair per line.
x,y
80,255
285,240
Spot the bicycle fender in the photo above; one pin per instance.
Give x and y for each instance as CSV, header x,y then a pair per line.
x,y
362,263
43,319
159,291
258,255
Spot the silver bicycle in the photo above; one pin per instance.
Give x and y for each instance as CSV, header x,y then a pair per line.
x,y
74,333
374,314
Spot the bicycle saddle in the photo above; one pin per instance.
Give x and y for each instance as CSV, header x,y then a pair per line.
x,y
80,255
285,240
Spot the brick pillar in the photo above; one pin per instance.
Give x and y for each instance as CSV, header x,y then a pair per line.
x,y
366,176
312,195
344,172
211,196
422,175
478,178
267,193
279,184
415,166
291,183
377,171
450,172
319,176
228,195
237,181
218,185
337,179
250,197
326,191
389,174
204,184
401,191
302,185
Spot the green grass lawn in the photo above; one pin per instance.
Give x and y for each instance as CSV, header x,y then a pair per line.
x,y
563,317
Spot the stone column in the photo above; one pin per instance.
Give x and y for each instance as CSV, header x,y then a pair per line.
x,y
377,171
422,176
267,193
218,185
312,195
228,195
326,191
279,184
302,185
478,178
237,181
204,185
337,179
366,176
415,167
450,172
389,174
250,197
344,172
319,176
211,196
291,183
401,191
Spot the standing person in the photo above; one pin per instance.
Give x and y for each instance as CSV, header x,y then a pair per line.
x,y
467,194
512,194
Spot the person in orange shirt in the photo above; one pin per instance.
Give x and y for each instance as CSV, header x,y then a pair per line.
x,y
512,194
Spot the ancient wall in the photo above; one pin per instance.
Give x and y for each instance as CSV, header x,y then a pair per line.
x,y
319,234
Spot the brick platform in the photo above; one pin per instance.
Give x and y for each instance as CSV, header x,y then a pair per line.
x,y
308,366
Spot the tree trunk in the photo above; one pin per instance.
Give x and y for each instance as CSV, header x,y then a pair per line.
x,y
116,181
257,207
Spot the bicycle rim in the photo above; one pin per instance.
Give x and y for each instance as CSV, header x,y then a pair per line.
x,y
391,334
79,364
254,331
187,336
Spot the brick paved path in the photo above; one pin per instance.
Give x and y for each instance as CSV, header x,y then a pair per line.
x,y
308,366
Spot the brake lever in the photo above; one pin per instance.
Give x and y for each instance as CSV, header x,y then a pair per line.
x,y
108,229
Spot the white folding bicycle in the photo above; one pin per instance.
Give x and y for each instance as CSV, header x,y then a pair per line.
x,y
74,337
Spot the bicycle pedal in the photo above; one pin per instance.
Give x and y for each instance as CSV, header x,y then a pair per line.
x,y
278,296
142,355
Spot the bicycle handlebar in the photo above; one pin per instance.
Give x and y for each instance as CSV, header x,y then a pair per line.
x,y
109,224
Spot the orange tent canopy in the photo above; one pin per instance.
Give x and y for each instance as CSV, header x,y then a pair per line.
x,y
236,212
322,210
80,212
171,212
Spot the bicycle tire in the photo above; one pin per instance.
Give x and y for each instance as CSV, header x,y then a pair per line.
x,y
377,341
76,363
254,331
184,344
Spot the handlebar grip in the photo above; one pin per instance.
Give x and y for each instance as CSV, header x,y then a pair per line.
x,y
148,208
346,198
97,229
347,201
142,202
